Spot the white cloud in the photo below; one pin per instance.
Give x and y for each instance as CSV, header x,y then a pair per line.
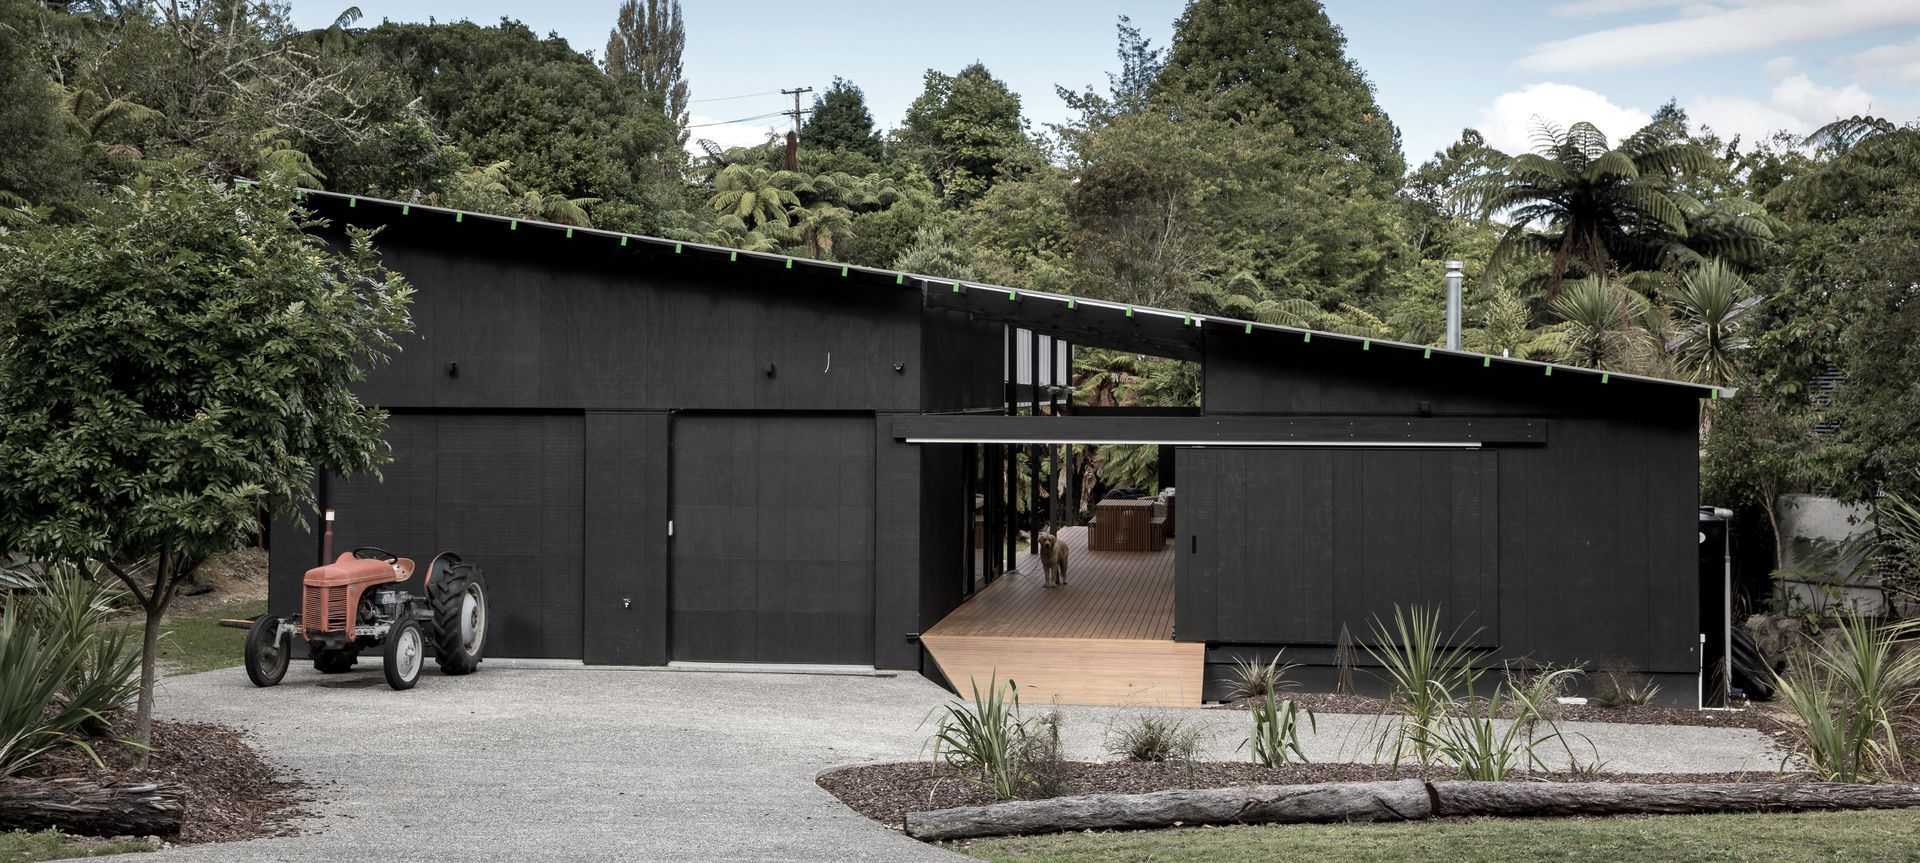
x,y
1895,64
1508,122
1713,30
729,134
1796,103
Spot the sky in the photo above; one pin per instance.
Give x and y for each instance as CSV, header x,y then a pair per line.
x,y
1742,67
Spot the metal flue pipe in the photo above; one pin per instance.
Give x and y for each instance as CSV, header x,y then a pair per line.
x,y
1454,276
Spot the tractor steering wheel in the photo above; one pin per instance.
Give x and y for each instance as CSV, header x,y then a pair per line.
x,y
368,552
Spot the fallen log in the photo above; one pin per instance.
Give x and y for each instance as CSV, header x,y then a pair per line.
x,y
90,808
1405,800
1513,799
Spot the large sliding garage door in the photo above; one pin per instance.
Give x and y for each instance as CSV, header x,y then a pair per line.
x,y
773,538
501,490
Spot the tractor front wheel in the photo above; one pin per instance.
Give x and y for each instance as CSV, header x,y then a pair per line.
x,y
459,601
406,651
266,651
334,661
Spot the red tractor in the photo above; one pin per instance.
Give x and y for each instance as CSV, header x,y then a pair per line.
x,y
355,604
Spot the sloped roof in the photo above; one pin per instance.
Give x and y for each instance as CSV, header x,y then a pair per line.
x,y
1148,329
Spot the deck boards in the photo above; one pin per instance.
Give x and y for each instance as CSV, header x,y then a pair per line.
x,y
1109,594
1104,638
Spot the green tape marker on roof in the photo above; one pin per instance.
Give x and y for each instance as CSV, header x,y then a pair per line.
x,y
900,278
1073,303
789,263
1716,393
1249,329
676,248
1486,362
623,241
459,217
513,224
1549,371
1306,337
1604,377
569,233
843,271
1186,320
1428,355
1129,311
1366,344
353,202
1014,296
733,256
406,209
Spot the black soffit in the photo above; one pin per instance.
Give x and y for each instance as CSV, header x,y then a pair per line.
x,y
1096,323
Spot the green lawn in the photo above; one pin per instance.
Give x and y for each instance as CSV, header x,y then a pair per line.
x,y
1827,836
19,846
191,643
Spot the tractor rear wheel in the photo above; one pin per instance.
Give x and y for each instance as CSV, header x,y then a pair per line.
x,y
406,651
334,661
266,651
459,600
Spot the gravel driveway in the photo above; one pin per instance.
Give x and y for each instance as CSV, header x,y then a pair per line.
x,y
666,765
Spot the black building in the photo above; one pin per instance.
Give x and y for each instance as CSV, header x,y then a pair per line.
x,y
664,451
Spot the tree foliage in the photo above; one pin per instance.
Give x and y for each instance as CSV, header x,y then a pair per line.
x,y
174,365
643,59
840,121
1284,59
964,131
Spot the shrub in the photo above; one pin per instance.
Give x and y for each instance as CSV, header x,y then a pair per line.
x,y
986,741
1426,669
63,667
1617,683
1275,741
1251,678
1850,691
1152,738
1483,747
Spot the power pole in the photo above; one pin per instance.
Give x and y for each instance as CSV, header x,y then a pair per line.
x,y
793,137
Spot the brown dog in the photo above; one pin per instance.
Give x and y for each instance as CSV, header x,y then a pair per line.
x,y
1053,558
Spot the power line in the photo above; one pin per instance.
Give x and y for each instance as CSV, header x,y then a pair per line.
x,y
731,98
741,120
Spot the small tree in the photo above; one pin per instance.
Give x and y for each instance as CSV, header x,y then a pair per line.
x,y
171,367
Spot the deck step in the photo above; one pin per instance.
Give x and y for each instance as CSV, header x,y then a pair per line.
x,y
1081,671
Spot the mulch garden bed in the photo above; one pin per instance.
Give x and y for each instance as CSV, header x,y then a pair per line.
x,y
229,791
887,792
1756,718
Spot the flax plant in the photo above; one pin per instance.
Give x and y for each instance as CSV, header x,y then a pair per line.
x,y
983,740
1850,693
1427,668
1275,741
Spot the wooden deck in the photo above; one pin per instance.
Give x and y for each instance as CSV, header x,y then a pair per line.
x,y
1104,638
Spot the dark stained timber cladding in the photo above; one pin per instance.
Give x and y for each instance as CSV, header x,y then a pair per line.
x,y
772,553
502,491
1290,544
626,529
525,320
960,362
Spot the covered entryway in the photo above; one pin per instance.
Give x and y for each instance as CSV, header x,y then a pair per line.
x,y
1106,637
772,548
501,490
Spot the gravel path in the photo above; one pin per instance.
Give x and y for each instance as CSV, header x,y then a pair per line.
x,y
622,765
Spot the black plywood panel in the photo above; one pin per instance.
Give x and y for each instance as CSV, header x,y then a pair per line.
x,y
501,490
772,552
626,613
604,328
1293,543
